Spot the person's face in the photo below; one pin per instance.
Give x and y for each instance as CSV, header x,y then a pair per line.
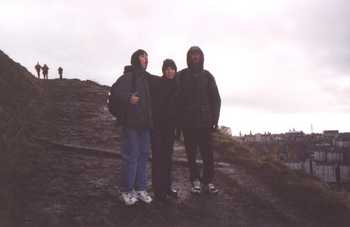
x,y
169,73
195,57
143,58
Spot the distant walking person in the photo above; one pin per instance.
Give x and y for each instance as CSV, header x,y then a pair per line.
x,y
38,69
200,109
45,69
60,72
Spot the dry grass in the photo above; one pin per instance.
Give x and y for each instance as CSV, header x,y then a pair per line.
x,y
14,157
18,89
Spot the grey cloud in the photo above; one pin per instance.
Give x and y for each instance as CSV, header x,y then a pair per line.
x,y
323,29
95,40
334,98
340,94
273,103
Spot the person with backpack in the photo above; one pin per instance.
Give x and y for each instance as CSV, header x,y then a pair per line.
x,y
163,93
130,102
200,103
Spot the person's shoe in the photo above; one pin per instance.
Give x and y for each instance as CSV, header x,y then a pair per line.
x,y
196,187
173,193
128,198
143,196
211,189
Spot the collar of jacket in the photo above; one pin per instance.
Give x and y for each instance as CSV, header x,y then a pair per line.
x,y
140,72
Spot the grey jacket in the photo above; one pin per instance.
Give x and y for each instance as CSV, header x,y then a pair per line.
x,y
138,116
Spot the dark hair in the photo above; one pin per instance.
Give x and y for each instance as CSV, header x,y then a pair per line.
x,y
135,58
168,63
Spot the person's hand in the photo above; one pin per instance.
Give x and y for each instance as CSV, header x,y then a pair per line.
x,y
134,99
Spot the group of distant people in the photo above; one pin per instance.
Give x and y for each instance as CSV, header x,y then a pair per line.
x,y
155,107
45,71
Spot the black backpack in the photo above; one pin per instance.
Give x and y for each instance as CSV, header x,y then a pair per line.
x,y
116,106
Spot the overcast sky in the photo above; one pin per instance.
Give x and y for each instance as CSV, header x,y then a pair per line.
x,y
279,64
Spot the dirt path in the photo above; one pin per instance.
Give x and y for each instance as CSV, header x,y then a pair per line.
x,y
73,189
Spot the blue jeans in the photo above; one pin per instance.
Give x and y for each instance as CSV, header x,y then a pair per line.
x,y
135,145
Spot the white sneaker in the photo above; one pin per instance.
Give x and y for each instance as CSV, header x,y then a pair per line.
x,y
128,198
196,187
211,189
143,196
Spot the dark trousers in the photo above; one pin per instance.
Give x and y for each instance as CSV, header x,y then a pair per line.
x,y
162,142
199,139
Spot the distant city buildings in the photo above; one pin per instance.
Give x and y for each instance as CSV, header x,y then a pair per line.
x,y
325,155
343,140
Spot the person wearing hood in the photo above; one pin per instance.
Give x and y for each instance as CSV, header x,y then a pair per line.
x,y
163,93
200,110
132,89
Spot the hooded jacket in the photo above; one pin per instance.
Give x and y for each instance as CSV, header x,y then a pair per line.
x,y
138,116
199,98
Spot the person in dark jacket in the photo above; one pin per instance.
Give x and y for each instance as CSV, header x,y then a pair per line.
x,y
60,72
45,69
38,69
136,125
163,93
200,109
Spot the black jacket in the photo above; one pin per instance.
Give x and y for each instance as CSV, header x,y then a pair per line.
x,y
199,98
164,102
138,115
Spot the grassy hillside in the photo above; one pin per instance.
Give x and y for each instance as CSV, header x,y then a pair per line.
x,y
18,92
